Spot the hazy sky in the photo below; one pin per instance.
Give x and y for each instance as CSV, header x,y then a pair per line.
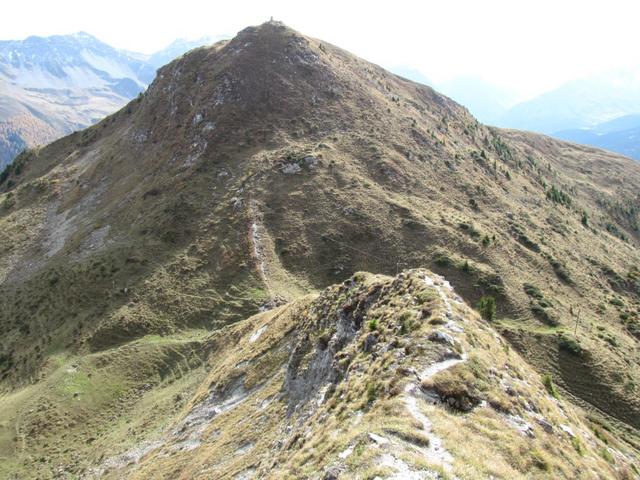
x,y
527,45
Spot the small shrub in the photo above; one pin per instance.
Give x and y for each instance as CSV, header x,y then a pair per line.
x,y
501,148
544,303
571,345
442,260
487,308
615,231
560,270
490,283
469,228
373,324
486,241
606,454
600,435
527,242
425,295
371,392
578,446
585,219
558,196
617,302
541,314
407,322
359,277
532,290
547,381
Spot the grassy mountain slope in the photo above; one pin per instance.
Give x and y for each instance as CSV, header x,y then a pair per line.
x,y
393,377
270,166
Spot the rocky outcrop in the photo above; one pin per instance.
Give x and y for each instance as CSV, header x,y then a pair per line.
x,y
305,392
321,358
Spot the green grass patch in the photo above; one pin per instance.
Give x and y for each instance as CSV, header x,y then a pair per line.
x,y
578,445
606,454
547,381
487,308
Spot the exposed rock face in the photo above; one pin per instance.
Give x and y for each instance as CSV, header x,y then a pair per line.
x,y
305,376
321,362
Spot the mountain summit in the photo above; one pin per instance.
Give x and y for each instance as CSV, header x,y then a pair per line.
x,y
179,291
270,74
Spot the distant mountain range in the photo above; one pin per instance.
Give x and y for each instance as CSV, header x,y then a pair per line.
x,y
581,103
620,135
602,110
51,86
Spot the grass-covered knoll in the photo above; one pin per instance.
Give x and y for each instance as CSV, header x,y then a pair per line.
x,y
88,403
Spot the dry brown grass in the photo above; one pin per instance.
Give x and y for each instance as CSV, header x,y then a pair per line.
x,y
397,168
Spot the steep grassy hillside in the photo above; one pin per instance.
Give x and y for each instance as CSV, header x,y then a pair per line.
x,y
377,376
393,377
268,167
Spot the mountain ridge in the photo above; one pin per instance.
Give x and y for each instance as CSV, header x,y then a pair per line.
x,y
269,167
